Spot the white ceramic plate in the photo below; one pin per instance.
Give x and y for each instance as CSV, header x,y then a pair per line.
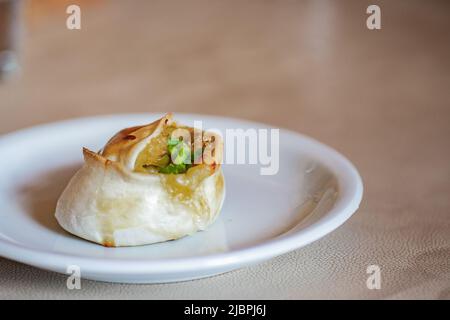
x,y
314,192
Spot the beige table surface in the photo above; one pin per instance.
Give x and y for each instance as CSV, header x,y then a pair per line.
x,y
380,97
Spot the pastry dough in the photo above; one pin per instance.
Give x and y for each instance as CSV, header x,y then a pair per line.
x,y
112,200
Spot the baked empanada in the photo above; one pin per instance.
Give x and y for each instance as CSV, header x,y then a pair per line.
x,y
145,186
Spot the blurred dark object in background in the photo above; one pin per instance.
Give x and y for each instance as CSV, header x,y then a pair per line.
x,y
10,30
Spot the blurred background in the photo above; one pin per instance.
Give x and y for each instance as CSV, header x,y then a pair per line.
x,y
381,97
252,59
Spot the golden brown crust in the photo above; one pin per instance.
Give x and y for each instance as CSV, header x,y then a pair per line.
x,y
109,244
93,156
125,139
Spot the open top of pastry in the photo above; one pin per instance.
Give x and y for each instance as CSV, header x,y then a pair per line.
x,y
164,147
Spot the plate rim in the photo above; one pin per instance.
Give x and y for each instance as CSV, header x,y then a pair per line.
x,y
350,196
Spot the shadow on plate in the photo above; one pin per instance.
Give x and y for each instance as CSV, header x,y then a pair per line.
x,y
39,196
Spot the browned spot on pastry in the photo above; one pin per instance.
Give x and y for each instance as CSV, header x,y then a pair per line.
x,y
130,137
109,244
